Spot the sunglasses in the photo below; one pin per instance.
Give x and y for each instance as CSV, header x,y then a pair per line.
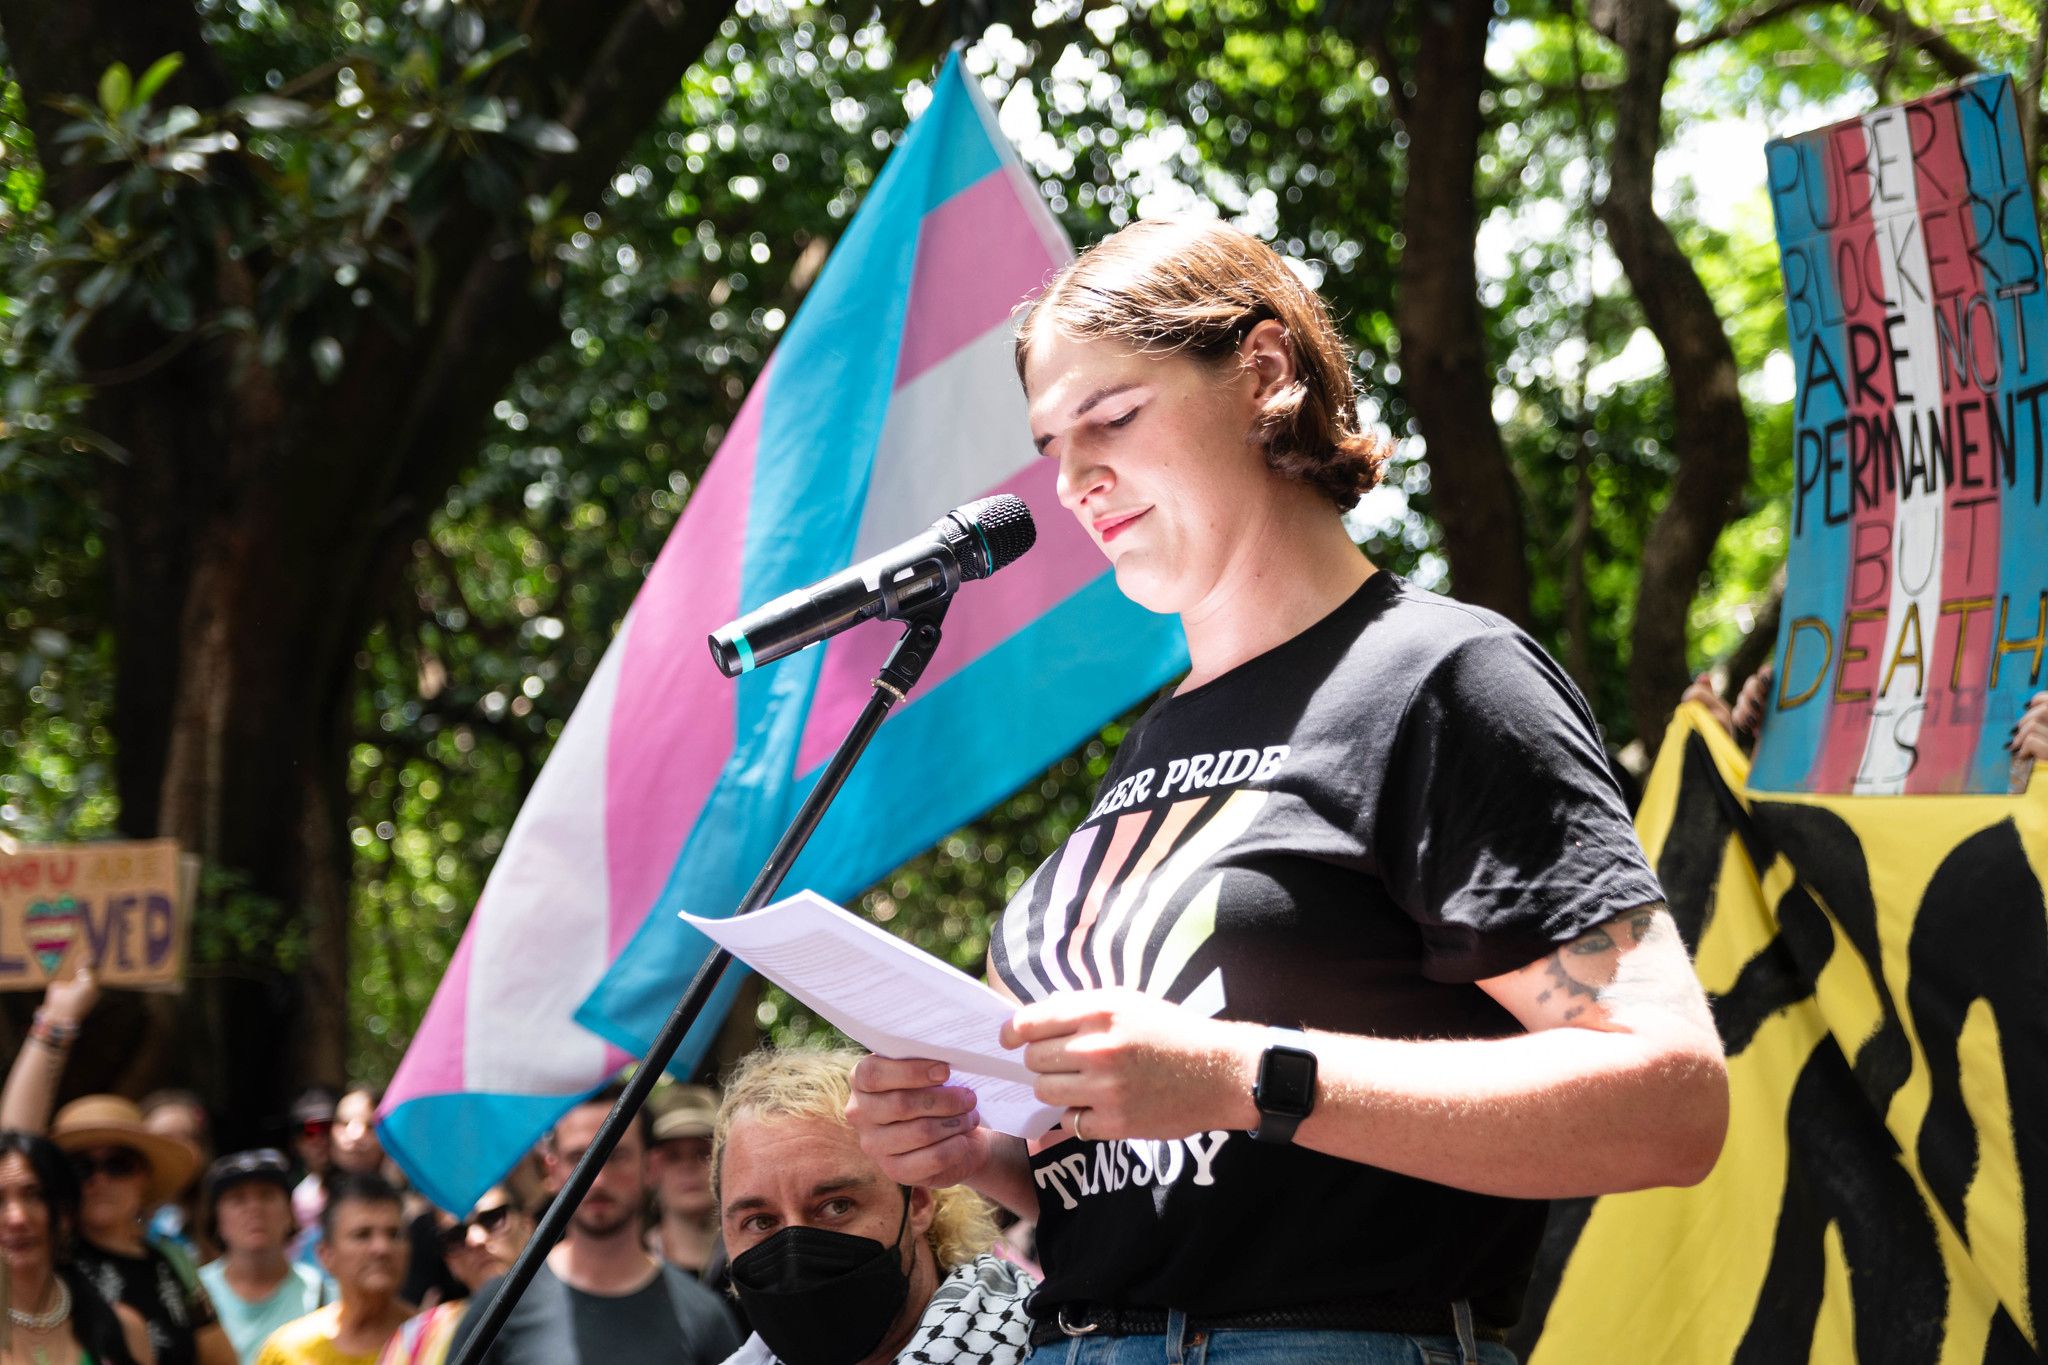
x,y
491,1220
118,1164
316,1128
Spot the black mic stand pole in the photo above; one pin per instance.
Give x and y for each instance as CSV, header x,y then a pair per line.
x,y
905,666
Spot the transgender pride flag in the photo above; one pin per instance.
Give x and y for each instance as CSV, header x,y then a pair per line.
x,y
891,399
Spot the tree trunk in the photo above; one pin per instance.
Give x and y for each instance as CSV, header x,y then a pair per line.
x,y
1711,437
1444,364
263,520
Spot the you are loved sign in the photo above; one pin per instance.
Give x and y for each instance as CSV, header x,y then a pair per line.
x,y
119,908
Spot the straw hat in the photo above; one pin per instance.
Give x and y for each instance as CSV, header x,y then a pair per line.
x,y
111,1121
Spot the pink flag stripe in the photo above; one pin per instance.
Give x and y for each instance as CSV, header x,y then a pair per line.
x,y
672,728
979,255
1064,561
433,1064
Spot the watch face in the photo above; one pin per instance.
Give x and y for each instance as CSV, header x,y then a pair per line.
x,y
1287,1082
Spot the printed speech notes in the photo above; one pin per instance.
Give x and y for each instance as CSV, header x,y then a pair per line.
x,y
892,998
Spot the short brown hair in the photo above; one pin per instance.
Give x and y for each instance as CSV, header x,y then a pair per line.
x,y
1197,288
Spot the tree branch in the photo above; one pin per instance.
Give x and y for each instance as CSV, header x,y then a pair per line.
x,y
1953,61
1712,442
1742,21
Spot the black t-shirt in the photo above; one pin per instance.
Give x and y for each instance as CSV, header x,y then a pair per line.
x,y
1344,834
172,1307
673,1320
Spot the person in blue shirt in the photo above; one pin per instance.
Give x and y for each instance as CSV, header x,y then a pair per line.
x,y
256,1288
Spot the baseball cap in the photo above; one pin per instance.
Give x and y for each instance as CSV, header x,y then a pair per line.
x,y
315,1106
261,1163
689,1111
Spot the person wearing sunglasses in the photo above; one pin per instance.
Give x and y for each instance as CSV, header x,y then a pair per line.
x,y
123,1171
254,1286
312,1141
477,1248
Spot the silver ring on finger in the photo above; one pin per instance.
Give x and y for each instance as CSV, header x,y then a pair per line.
x,y
1077,1125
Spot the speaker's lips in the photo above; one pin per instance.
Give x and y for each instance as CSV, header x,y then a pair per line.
x,y
1109,527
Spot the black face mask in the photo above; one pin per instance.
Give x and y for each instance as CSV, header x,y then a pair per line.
x,y
822,1298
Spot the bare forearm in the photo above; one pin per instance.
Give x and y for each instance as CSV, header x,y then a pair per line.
x,y
31,1087
1546,1115
31,1090
1618,1084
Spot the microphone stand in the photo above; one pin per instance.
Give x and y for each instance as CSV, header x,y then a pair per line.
x,y
905,666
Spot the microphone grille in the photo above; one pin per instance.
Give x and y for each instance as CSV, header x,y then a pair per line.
x,y
1005,525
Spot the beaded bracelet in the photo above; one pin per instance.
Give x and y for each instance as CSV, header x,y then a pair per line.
x,y
52,1033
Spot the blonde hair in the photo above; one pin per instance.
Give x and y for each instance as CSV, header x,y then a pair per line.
x,y
1197,288
816,1083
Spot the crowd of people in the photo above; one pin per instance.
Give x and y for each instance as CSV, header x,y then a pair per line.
x,y
748,1228
124,1243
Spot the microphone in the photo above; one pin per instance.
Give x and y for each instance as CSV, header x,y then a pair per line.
x,y
967,543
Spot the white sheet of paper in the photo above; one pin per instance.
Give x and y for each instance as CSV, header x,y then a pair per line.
x,y
891,997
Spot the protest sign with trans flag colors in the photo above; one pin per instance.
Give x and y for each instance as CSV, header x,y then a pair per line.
x,y
1915,616
892,398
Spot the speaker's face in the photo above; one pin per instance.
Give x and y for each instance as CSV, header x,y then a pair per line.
x,y
1155,459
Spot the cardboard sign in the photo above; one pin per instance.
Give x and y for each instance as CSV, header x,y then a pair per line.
x,y
120,908
1916,601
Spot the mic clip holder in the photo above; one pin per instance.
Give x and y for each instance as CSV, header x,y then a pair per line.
x,y
906,663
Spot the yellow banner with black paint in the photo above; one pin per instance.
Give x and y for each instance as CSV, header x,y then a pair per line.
x,y
1879,972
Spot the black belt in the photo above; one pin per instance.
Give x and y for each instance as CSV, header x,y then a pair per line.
x,y
1367,1315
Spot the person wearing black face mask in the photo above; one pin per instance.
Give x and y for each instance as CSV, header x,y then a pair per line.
x,y
834,1263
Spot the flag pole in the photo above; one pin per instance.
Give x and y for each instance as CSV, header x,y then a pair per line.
x,y
905,666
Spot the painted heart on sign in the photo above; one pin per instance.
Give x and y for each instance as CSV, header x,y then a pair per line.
x,y
50,926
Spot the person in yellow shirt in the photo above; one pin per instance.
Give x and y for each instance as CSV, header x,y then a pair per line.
x,y
363,1246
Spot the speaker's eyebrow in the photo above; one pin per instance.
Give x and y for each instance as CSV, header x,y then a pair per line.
x,y
1101,395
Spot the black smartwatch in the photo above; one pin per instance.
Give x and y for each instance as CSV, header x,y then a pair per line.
x,y
1286,1089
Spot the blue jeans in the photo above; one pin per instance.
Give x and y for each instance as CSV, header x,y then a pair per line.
x,y
1182,1347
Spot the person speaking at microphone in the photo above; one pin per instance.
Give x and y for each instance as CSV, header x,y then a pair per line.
x,y
1356,959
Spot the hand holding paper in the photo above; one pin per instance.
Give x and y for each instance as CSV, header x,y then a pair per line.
x,y
892,998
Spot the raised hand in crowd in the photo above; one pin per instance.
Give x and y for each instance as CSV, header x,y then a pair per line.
x,y
2030,736
31,1091
1745,720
